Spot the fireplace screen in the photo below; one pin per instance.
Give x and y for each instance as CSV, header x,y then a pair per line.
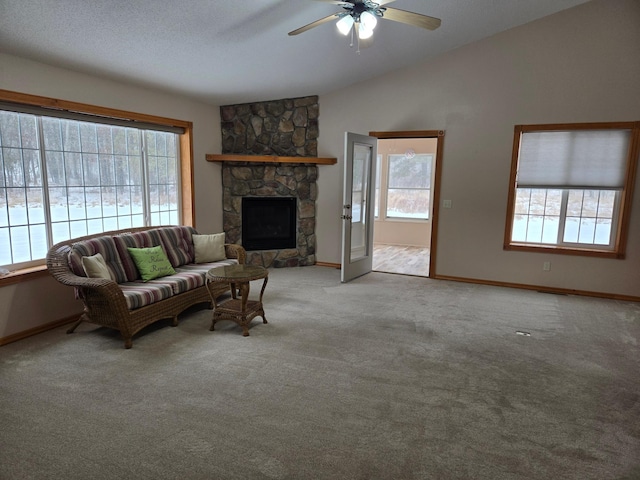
x,y
268,223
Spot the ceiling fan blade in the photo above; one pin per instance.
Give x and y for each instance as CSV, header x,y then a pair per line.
x,y
344,2
335,2
410,18
314,24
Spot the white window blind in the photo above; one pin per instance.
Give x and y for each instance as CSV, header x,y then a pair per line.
x,y
573,159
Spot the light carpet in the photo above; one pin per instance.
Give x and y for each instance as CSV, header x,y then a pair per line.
x,y
387,377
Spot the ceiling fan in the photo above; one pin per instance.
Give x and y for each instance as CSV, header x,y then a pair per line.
x,y
361,16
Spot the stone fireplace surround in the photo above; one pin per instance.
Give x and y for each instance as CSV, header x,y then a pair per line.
x,y
270,149
272,180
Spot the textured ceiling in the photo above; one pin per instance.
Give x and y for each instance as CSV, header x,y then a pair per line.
x,y
233,51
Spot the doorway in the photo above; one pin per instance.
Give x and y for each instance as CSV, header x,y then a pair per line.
x,y
406,197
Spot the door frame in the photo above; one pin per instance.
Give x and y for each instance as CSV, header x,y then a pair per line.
x,y
439,135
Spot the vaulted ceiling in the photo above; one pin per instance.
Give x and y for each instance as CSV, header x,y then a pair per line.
x,y
224,52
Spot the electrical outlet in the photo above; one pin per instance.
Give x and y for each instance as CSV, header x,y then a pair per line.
x,y
446,203
546,266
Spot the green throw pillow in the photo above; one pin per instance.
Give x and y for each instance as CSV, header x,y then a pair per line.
x,y
151,262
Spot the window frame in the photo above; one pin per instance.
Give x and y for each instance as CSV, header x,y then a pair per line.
x,y
185,148
617,249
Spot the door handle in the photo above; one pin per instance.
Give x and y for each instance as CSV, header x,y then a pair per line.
x,y
346,217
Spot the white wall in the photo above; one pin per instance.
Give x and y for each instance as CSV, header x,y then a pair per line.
x,y
580,65
19,311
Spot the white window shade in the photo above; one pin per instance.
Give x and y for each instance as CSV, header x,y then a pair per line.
x,y
576,159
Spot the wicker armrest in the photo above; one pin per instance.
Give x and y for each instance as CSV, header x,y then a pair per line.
x,y
58,266
73,280
101,297
233,250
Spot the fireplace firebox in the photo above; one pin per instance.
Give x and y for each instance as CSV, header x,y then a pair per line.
x,y
268,223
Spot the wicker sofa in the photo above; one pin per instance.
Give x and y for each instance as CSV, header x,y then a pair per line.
x,y
124,302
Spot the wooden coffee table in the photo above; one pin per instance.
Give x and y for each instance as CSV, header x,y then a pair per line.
x,y
240,310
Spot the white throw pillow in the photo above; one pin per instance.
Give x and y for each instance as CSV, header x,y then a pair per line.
x,y
209,248
96,267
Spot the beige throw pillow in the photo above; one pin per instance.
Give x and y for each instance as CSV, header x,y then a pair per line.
x,y
209,248
95,267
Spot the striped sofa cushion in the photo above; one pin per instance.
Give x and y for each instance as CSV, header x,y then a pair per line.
x,y
150,238
181,281
202,268
107,248
178,244
138,294
187,277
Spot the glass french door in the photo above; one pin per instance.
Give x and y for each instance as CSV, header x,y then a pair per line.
x,y
358,212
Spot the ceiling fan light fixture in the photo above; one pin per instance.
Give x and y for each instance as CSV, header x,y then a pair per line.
x,y
344,24
359,17
368,20
364,32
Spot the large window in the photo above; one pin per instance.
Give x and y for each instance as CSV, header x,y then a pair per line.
x,y
571,187
409,183
63,177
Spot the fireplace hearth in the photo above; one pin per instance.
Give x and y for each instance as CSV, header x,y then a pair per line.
x,y
268,223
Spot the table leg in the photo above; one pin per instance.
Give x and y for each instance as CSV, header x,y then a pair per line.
x,y
244,295
264,285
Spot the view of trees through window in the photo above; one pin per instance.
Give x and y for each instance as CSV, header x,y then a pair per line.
x,y
409,182
62,178
564,216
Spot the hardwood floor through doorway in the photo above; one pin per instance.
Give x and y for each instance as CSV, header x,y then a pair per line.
x,y
401,259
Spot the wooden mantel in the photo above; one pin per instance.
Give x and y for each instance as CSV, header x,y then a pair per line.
x,y
211,157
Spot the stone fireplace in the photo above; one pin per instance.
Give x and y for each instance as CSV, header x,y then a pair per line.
x,y
242,180
269,150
